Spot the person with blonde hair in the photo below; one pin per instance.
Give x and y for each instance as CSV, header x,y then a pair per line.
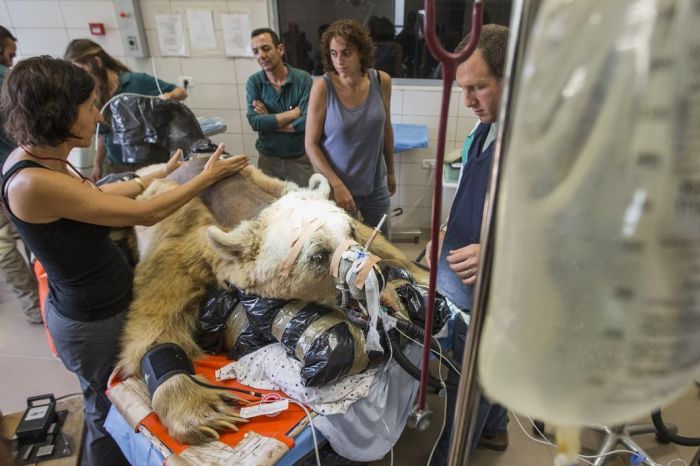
x,y
113,78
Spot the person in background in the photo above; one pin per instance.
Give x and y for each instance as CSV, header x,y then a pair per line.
x,y
14,270
481,79
8,48
296,47
349,137
278,97
113,78
388,54
408,39
50,107
317,67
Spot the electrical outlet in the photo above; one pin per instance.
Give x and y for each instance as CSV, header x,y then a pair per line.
x,y
184,82
428,164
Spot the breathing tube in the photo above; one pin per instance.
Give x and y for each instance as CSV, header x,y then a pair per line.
x,y
390,338
665,435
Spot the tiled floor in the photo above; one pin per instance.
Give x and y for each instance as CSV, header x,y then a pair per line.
x,y
28,368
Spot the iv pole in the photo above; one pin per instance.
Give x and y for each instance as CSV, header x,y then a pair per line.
x,y
421,416
522,17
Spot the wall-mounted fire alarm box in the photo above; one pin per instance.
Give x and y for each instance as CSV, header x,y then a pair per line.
x,y
97,29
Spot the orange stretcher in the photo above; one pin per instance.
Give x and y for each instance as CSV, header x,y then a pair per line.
x,y
265,432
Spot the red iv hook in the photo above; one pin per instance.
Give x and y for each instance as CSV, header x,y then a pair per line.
x,y
449,62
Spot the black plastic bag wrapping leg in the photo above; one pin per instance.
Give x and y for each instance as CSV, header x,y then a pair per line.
x,y
322,339
328,345
245,339
261,312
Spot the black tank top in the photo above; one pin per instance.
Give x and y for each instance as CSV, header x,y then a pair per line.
x,y
89,279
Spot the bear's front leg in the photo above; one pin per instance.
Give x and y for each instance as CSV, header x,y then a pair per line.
x,y
194,414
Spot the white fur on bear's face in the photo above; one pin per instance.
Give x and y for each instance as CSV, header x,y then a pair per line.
x,y
254,252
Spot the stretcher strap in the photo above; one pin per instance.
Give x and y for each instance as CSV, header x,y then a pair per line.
x,y
252,449
131,398
306,231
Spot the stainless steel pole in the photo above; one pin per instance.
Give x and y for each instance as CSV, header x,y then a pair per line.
x,y
466,407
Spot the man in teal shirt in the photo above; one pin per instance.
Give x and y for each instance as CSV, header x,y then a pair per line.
x,y
278,96
13,268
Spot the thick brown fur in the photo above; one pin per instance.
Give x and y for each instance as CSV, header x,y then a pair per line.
x,y
188,251
165,308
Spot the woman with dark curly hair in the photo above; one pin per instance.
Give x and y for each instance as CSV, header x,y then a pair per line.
x,y
349,137
50,108
112,78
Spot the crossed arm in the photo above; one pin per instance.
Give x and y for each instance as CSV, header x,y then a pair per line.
x,y
284,119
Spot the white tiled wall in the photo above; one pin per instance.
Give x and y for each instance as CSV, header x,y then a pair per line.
x,y
421,105
46,27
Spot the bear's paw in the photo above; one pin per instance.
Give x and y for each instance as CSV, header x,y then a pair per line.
x,y
194,414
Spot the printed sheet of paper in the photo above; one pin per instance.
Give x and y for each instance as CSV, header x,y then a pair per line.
x,y
201,28
171,35
237,29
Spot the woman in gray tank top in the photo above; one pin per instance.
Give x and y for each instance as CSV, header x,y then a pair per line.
x,y
349,137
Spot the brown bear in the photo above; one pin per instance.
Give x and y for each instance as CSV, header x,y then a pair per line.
x,y
188,251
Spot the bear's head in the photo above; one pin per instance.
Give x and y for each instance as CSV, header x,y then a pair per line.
x,y
286,251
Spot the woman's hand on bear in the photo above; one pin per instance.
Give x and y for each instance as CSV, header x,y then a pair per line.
x,y
217,168
174,163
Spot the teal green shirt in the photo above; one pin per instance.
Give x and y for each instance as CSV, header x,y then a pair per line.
x,y
293,93
137,83
6,146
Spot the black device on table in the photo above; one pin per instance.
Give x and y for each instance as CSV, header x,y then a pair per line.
x,y
38,435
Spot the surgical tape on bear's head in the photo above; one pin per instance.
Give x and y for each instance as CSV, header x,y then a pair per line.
x,y
308,228
338,254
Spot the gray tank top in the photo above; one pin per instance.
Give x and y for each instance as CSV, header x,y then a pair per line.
x,y
353,139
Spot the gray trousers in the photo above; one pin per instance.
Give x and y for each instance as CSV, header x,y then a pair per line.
x,y
90,350
15,271
296,169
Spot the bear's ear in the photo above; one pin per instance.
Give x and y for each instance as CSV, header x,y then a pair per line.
x,y
319,184
240,244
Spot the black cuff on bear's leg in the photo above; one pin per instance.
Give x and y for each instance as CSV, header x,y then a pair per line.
x,y
162,362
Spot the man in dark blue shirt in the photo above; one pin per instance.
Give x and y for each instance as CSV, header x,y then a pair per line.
x,y
481,79
277,97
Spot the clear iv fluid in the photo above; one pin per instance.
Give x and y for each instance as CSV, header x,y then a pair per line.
x,y
594,305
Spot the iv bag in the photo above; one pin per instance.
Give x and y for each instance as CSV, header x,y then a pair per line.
x,y
594,302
